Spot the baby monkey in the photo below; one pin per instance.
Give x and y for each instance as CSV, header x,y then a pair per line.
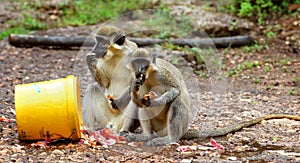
x,y
158,89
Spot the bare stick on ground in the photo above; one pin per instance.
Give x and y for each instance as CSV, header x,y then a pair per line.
x,y
78,41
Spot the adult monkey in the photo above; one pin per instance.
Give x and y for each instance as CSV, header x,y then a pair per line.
x,y
168,114
110,48
165,106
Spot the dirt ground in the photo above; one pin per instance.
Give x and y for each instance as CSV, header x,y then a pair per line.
x,y
271,87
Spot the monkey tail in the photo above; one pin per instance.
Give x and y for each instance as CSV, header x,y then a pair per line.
x,y
91,106
194,133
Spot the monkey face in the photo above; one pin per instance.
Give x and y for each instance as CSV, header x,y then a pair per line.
x,y
101,46
140,67
111,41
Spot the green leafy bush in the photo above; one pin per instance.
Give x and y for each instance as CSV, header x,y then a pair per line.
x,y
260,9
71,13
83,12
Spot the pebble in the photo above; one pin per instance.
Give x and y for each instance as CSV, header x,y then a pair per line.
x,y
287,42
43,154
232,158
291,131
186,160
3,152
58,152
239,149
14,155
245,139
188,153
48,159
16,149
13,160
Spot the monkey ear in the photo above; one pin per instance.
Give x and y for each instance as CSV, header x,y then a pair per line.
x,y
154,55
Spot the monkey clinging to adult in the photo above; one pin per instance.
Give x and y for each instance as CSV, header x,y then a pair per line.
x,y
164,105
110,48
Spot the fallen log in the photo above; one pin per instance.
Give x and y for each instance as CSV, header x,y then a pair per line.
x,y
78,41
199,42
62,41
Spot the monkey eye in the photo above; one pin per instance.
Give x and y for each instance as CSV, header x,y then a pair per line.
x,y
146,67
120,41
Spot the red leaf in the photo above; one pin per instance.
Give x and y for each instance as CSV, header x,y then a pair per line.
x,y
215,144
107,133
40,144
48,140
182,149
103,137
3,119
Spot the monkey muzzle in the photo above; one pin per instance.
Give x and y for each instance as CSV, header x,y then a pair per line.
x,y
140,76
101,46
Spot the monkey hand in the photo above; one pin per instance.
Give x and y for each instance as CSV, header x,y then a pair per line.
x,y
112,102
138,83
146,100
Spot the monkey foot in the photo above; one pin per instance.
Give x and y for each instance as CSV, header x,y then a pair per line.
x,y
146,100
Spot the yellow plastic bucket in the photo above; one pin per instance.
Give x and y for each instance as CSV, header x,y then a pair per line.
x,y
49,109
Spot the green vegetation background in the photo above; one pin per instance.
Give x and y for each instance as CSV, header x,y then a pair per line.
x,y
85,12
